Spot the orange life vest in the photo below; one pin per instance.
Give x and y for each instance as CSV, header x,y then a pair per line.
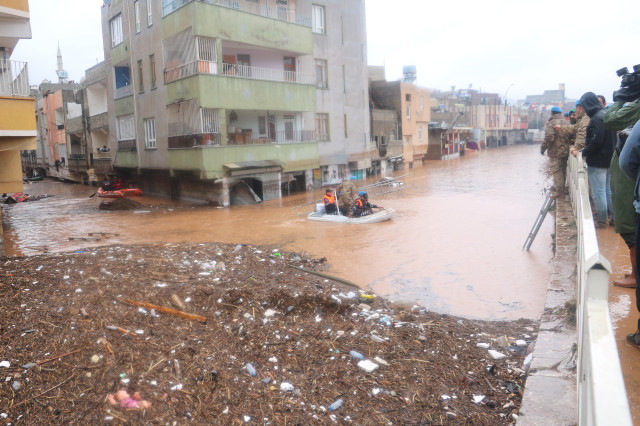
x,y
360,203
329,199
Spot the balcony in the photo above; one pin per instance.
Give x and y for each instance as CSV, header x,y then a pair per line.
x,y
123,92
237,71
75,125
277,137
102,162
196,140
99,121
127,145
252,7
14,78
77,162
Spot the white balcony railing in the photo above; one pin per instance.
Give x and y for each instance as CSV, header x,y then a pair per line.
x,y
239,71
255,8
257,73
14,78
602,399
123,92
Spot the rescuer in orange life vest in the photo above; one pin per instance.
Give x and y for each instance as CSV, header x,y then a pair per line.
x,y
330,206
363,207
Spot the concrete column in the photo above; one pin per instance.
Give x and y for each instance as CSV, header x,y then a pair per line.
x,y
308,180
226,200
219,55
222,118
383,166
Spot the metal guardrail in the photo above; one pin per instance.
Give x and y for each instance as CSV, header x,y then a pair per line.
x,y
602,399
14,78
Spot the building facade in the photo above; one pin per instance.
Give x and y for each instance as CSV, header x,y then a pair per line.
x,y
203,96
17,122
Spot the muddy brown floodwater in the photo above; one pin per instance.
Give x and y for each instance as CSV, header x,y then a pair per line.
x,y
453,246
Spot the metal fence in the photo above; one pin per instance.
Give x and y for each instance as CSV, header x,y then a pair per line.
x,y
269,74
602,399
14,78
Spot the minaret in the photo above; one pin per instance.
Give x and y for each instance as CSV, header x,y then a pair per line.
x,y
63,76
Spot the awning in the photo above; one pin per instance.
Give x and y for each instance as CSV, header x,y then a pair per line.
x,y
252,167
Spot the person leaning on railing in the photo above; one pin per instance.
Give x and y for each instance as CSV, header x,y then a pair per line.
x,y
630,165
619,116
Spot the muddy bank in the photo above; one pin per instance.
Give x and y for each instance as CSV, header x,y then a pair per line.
x,y
73,332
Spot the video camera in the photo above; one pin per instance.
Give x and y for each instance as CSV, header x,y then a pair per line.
x,y
630,85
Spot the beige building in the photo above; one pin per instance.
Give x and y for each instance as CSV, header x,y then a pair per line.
x,y
412,112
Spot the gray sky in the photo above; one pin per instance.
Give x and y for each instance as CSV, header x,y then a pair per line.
x,y
491,44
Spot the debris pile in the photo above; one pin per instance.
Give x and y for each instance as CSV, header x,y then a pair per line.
x,y
119,204
223,334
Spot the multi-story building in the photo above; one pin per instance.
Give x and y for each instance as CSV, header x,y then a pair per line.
x,y
205,94
411,105
17,122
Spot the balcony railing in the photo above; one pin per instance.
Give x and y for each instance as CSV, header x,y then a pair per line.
x,y
14,78
191,68
123,92
257,73
280,137
77,157
255,8
239,71
190,141
128,145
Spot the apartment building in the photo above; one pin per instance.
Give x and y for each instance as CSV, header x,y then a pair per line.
x,y
17,122
411,105
205,95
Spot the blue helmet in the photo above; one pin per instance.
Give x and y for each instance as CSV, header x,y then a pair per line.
x,y
362,193
578,102
556,109
353,178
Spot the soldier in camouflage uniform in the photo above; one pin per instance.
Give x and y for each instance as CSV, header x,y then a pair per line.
x,y
556,142
347,194
579,131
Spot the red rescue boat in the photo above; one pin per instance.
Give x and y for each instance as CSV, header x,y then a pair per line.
x,y
119,193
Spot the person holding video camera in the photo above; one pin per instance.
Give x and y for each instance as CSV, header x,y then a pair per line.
x,y
620,116
598,150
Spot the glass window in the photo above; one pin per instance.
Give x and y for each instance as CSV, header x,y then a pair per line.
x,y
421,103
420,133
321,73
136,12
149,15
318,20
152,69
116,30
322,127
408,111
140,80
125,127
150,133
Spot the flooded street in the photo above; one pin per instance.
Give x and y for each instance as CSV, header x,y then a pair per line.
x,y
453,246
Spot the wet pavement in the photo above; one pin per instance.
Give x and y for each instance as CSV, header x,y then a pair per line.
x,y
624,315
453,246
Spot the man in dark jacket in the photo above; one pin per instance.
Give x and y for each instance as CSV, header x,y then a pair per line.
x,y
598,150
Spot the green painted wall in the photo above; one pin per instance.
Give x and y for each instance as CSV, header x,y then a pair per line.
x,y
120,53
126,159
123,106
213,91
220,22
294,157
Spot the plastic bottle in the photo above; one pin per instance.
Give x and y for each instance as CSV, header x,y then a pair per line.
x,y
356,355
250,369
335,405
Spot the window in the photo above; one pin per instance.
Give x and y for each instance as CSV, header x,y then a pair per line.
x,y
152,69
322,127
149,15
150,133
420,133
317,18
136,14
262,125
345,127
116,30
140,80
408,111
125,127
321,73
421,103
407,97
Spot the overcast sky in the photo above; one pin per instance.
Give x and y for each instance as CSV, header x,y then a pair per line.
x,y
531,46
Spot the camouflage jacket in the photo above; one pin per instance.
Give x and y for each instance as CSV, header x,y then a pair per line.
x,y
579,130
556,143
